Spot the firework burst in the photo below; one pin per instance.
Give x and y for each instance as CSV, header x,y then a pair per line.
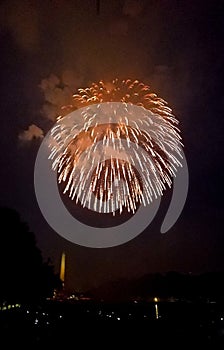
x,y
122,151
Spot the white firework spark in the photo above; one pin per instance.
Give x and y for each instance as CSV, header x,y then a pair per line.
x,y
123,150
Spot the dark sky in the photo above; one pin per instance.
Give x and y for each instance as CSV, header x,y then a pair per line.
x,y
174,46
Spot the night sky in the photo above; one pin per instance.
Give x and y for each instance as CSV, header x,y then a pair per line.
x,y
174,46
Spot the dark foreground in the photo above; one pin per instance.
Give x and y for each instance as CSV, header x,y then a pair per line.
x,y
54,323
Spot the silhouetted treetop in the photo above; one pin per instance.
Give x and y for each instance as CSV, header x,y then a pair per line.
x,y
23,274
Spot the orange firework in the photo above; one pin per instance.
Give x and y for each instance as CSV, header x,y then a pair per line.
x,y
108,176
127,91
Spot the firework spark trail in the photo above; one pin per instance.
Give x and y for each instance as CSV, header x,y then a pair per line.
x,y
124,127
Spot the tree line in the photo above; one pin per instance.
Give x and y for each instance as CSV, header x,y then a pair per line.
x,y
24,276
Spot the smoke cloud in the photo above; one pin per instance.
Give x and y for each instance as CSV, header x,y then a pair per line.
x,y
21,19
58,93
75,46
33,132
132,8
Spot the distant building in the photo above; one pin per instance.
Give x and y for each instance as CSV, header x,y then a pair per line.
x,y
59,294
62,270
